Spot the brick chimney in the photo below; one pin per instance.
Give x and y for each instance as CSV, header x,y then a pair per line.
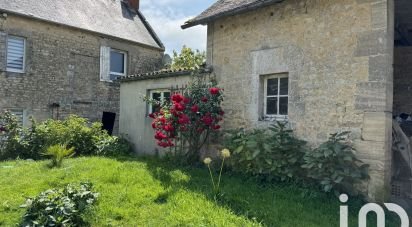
x,y
133,4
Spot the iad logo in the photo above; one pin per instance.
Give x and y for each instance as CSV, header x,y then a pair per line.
x,y
372,207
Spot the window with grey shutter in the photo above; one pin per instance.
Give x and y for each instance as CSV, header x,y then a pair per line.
x,y
113,63
16,48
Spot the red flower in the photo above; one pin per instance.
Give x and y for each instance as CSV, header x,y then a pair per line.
x,y
154,124
179,107
177,98
216,127
195,108
162,120
221,113
214,90
160,136
168,128
204,99
183,128
207,120
186,100
183,119
152,115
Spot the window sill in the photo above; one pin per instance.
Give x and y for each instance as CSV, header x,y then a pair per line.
x,y
15,71
275,118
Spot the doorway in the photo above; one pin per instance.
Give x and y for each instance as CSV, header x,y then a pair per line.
x,y
108,121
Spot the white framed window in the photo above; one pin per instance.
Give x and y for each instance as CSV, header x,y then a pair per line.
x,y
16,54
159,96
113,63
276,97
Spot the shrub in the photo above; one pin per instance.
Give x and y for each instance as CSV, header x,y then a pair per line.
x,y
335,167
77,132
59,207
58,153
74,131
188,120
273,153
12,138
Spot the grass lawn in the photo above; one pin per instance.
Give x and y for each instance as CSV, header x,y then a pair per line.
x,y
149,192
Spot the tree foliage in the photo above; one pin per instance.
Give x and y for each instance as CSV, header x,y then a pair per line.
x,y
188,58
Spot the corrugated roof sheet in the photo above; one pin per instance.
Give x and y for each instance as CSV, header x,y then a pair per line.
x,y
108,17
223,8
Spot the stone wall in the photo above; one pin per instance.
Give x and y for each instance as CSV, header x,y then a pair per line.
x,y
338,57
62,66
402,99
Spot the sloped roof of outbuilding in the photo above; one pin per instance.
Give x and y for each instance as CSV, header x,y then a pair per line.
x,y
108,17
164,73
223,8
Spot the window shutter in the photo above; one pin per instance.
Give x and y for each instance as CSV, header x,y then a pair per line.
x,y
15,54
104,63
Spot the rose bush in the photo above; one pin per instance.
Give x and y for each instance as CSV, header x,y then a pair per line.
x,y
191,116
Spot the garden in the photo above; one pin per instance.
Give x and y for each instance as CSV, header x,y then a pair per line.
x,y
72,173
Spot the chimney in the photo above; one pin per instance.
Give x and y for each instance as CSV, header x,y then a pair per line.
x,y
133,4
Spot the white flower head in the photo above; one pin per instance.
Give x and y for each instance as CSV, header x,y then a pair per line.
x,y
207,161
225,153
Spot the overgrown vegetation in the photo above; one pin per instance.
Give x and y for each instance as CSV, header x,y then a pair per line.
x,y
59,207
75,132
276,154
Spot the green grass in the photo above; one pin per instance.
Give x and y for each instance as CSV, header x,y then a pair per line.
x,y
149,192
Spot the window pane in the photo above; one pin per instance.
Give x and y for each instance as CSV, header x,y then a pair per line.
x,y
284,84
283,106
272,86
156,96
15,53
272,106
116,62
166,96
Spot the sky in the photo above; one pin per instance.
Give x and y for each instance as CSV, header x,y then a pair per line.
x,y
166,17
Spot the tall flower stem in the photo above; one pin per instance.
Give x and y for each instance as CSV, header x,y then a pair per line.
x,y
211,177
220,174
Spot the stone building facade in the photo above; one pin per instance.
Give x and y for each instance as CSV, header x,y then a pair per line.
x,y
65,59
338,60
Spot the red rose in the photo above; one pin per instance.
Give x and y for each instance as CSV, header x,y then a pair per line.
x,y
178,106
186,100
183,119
152,115
214,90
221,113
154,124
168,128
207,120
160,136
204,99
177,98
195,108
162,120
216,127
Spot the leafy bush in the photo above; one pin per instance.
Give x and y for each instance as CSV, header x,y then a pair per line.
x,y
58,153
12,138
277,154
73,131
77,132
334,165
59,207
113,146
187,121
273,153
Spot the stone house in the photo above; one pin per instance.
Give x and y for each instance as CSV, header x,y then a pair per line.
x,y
325,66
62,57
